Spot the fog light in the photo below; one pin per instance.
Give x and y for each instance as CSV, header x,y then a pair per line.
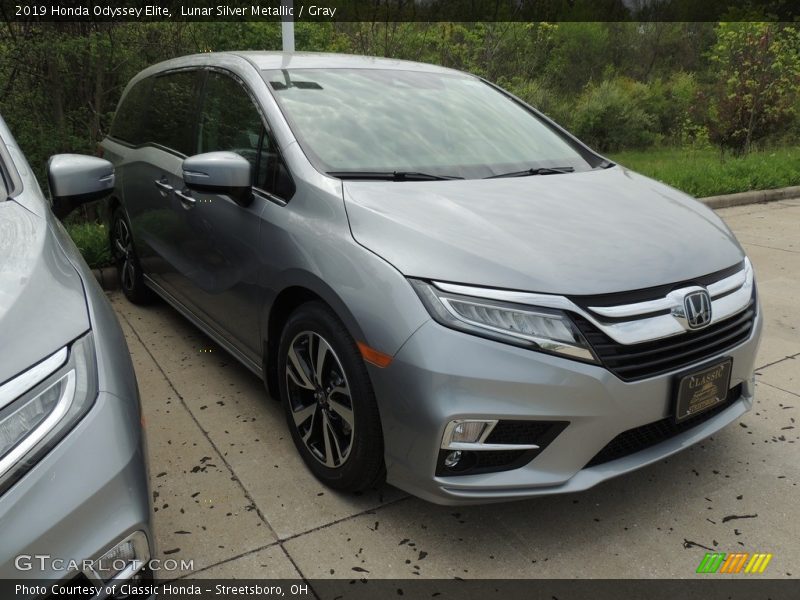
x,y
468,431
465,431
122,561
451,460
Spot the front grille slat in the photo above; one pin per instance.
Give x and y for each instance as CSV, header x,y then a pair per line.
x,y
742,322
631,362
716,346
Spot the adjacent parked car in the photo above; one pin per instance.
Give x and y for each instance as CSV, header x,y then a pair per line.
x,y
74,500
438,282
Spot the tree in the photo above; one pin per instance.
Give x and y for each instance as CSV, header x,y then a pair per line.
x,y
756,82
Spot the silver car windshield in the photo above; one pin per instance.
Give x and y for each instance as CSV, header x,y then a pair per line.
x,y
388,121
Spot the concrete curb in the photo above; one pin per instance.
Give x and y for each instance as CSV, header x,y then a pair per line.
x,y
755,197
107,277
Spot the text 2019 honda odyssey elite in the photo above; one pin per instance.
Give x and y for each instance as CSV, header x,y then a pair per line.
x,y
437,281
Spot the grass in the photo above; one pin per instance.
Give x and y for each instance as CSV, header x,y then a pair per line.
x,y
92,240
704,172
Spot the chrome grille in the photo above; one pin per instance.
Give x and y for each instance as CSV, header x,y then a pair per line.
x,y
645,333
648,359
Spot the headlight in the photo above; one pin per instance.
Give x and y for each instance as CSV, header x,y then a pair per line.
x,y
40,406
537,328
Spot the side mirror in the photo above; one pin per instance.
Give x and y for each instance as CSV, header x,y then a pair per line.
x,y
76,179
220,173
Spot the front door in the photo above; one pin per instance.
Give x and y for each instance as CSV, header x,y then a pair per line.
x,y
221,284
154,173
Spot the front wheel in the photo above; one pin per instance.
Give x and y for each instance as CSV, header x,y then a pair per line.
x,y
328,399
128,267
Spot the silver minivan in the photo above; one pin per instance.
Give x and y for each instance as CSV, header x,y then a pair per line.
x,y
441,285
74,495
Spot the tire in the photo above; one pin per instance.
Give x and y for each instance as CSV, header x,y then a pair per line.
x,y
330,409
129,270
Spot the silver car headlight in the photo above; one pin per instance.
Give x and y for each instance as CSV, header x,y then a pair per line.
x,y
41,405
542,329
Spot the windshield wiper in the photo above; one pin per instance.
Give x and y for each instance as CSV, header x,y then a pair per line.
x,y
537,171
390,175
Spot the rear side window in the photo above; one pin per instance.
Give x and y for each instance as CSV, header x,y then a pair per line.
x,y
131,114
230,121
171,115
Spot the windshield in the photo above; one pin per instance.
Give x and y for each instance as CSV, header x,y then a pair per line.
x,y
364,120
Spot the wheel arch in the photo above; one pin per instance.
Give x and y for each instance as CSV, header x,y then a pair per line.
x,y
298,288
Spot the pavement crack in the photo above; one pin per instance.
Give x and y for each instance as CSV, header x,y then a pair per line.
x,y
771,247
775,362
226,560
347,518
779,388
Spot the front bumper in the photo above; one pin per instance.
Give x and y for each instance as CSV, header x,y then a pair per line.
x,y
441,374
85,495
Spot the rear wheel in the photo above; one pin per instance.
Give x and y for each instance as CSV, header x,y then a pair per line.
x,y
329,402
130,272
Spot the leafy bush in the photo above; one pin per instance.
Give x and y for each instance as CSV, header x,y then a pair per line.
x,y
541,97
612,115
672,103
92,240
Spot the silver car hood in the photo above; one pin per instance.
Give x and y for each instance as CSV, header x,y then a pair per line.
x,y
42,302
594,232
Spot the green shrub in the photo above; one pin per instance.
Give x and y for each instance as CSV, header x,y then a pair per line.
x,y
92,240
673,105
612,115
541,97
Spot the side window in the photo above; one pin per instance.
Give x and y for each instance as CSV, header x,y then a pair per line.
x,y
272,174
128,121
3,187
171,115
230,121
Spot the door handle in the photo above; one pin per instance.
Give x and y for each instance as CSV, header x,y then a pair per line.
x,y
162,185
186,199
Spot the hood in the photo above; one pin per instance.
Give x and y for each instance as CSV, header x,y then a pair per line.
x,y
593,232
42,302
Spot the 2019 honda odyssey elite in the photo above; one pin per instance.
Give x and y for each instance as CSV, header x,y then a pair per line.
x,y
440,284
74,499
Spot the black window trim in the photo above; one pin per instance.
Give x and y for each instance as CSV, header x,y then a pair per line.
x,y
9,173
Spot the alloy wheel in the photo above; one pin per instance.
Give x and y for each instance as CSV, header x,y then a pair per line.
x,y
319,398
123,250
